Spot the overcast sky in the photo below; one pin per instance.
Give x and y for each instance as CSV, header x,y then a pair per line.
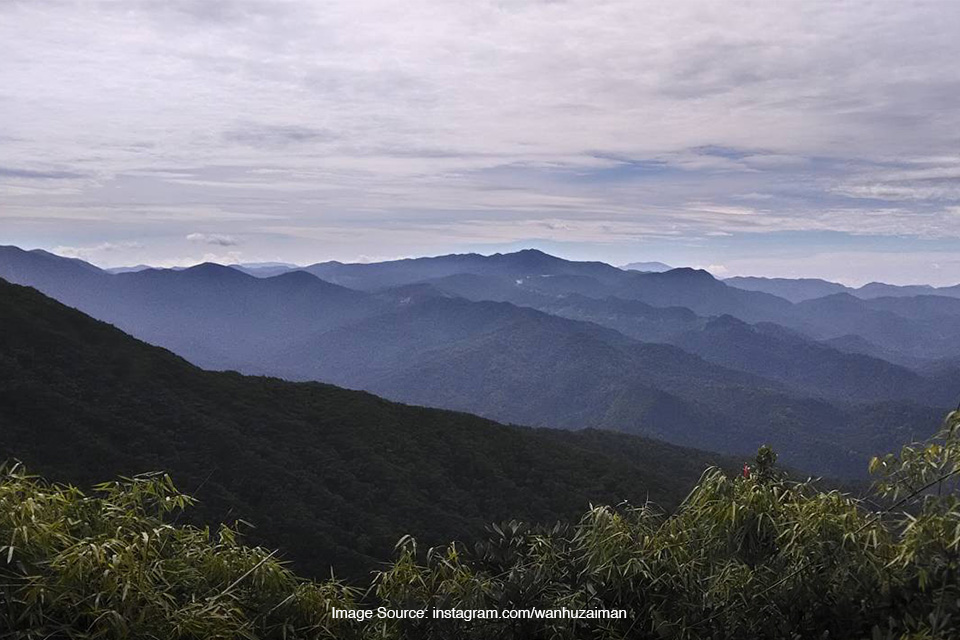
x,y
816,138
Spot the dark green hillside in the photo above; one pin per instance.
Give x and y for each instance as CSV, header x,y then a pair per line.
x,y
332,476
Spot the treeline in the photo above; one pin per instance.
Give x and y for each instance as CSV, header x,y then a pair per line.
x,y
748,555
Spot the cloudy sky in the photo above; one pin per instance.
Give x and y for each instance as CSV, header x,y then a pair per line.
x,y
798,137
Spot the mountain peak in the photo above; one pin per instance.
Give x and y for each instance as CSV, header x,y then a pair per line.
x,y
527,256
214,270
62,259
687,273
300,279
647,267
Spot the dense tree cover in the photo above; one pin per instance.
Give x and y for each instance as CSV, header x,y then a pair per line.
x,y
750,555
327,474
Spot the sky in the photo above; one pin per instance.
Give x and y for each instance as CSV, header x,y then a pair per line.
x,y
815,138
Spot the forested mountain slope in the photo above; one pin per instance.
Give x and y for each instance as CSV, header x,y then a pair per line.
x,y
786,356
334,476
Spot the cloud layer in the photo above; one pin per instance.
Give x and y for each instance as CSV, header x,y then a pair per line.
x,y
614,129
215,239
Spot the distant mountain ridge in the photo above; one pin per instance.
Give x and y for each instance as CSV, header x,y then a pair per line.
x,y
535,339
802,289
217,316
379,275
655,267
361,274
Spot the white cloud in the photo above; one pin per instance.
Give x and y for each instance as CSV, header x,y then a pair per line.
x,y
217,239
95,251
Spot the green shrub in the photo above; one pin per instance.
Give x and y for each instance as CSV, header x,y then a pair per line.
x,y
116,565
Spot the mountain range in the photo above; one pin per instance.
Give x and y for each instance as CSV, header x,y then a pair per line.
x,y
533,339
800,289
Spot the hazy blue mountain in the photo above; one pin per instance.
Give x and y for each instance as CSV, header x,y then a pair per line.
x,y
860,345
542,273
649,267
809,367
379,275
215,316
882,290
333,476
523,366
912,327
851,343
19,264
794,290
912,331
259,269
264,269
535,270
700,292
420,329
801,289
133,269
633,318
768,350
921,307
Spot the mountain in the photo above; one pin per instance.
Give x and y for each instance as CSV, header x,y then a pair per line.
x,y
700,292
18,264
655,267
771,351
538,271
924,327
259,269
633,318
908,329
133,269
530,269
920,307
520,365
809,367
379,275
801,289
883,290
852,343
213,315
333,476
794,290
911,333
264,269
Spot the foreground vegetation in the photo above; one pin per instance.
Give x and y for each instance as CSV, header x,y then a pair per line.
x,y
753,555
